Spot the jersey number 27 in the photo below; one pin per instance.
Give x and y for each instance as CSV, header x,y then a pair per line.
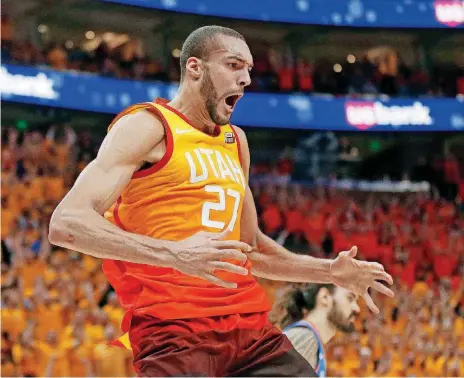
x,y
220,206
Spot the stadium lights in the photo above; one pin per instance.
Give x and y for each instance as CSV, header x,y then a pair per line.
x,y
351,58
42,28
90,34
176,53
337,68
69,44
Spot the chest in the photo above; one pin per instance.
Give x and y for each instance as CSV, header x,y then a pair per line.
x,y
194,162
208,164
195,158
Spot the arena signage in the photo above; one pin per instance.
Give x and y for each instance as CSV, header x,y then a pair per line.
x,y
449,12
352,13
38,85
366,114
87,92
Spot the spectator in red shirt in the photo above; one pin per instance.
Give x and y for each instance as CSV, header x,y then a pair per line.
x,y
444,263
294,222
271,219
305,76
314,224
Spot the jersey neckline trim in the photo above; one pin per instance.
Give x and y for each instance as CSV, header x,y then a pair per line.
x,y
164,103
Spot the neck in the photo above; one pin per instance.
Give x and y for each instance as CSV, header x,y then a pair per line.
x,y
190,103
324,328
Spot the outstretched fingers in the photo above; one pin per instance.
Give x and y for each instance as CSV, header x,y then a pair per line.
x,y
382,289
383,276
370,303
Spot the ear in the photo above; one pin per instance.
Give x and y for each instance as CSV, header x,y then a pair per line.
x,y
194,67
324,298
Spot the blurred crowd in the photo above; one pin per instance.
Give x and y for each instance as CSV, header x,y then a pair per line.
x,y
415,236
327,156
418,238
58,311
418,333
378,71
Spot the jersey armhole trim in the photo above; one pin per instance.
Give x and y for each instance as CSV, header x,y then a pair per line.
x,y
169,146
238,145
116,217
129,110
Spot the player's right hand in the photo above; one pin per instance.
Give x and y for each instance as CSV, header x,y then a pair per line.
x,y
203,253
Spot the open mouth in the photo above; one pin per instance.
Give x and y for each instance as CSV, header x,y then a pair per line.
x,y
232,100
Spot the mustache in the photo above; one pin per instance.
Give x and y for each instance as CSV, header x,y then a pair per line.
x,y
239,93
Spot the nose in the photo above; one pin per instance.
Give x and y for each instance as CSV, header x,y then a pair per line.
x,y
244,79
356,308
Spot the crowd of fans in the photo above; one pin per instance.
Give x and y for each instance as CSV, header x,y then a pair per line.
x,y
326,156
419,333
415,236
420,241
58,311
274,71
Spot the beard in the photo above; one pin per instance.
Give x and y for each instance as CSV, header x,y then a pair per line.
x,y
340,321
210,96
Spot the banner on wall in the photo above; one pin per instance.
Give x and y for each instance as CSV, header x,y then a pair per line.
x,y
86,92
357,13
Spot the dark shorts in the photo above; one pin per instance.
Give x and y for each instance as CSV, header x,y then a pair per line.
x,y
231,345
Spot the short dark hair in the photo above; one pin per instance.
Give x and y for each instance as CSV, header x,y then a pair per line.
x,y
200,41
297,298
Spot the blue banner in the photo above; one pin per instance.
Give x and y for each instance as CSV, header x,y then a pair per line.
x,y
361,13
88,92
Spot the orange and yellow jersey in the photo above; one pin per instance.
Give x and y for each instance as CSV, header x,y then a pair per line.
x,y
197,186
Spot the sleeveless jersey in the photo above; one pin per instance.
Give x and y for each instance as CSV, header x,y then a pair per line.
x,y
321,368
197,186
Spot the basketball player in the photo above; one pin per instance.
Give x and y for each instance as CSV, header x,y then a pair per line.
x,y
310,314
166,204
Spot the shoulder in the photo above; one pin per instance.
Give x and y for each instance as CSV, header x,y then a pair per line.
x,y
305,342
240,133
301,334
138,117
146,111
133,135
242,143
242,139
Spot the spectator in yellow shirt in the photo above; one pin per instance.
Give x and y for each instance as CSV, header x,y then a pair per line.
x,y
110,361
114,310
53,356
13,316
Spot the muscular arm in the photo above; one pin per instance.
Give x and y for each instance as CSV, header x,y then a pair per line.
x,y
77,223
271,260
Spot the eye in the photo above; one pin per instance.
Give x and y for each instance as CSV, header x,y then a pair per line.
x,y
233,65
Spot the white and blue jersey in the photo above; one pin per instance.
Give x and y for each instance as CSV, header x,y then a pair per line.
x,y
321,367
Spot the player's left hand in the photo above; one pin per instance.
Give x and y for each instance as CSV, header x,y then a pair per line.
x,y
358,276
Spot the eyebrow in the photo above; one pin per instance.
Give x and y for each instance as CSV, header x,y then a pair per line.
x,y
239,58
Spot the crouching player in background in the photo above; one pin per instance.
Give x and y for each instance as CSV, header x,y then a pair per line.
x,y
311,314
